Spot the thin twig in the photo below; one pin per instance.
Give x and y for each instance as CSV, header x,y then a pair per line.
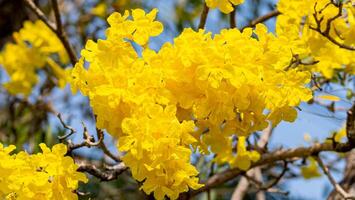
x,y
326,32
203,18
350,124
278,178
103,147
89,140
30,4
269,188
232,18
57,29
58,19
61,34
263,18
71,129
337,187
243,184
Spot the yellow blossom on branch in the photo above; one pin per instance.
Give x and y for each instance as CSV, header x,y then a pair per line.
x,y
34,44
46,175
225,6
224,92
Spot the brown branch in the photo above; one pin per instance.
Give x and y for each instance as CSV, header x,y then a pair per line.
x,y
71,129
278,155
269,187
30,4
350,125
58,18
242,187
89,140
286,154
232,20
107,174
337,187
57,29
203,17
263,18
326,32
278,178
61,34
348,178
104,148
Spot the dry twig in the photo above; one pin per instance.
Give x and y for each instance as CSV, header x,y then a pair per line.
x,y
232,19
278,155
203,18
71,129
326,32
57,29
337,187
263,18
108,174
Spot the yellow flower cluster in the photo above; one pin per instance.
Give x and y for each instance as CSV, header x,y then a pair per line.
x,y
34,43
225,6
297,22
311,170
205,92
47,175
139,29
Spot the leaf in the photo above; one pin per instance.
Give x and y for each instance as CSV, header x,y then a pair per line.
x,y
329,97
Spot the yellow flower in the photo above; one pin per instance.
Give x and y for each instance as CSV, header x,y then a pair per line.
x,y
308,43
47,175
139,29
311,170
201,92
35,43
99,10
157,151
244,157
145,26
226,6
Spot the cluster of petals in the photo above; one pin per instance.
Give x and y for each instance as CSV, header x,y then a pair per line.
x,y
297,22
225,6
47,175
33,45
203,92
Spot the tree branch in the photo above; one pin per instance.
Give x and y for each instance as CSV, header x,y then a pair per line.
x,y
286,154
108,174
57,29
104,148
278,155
61,34
203,18
263,18
243,184
326,32
232,20
350,125
30,4
337,187
71,129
